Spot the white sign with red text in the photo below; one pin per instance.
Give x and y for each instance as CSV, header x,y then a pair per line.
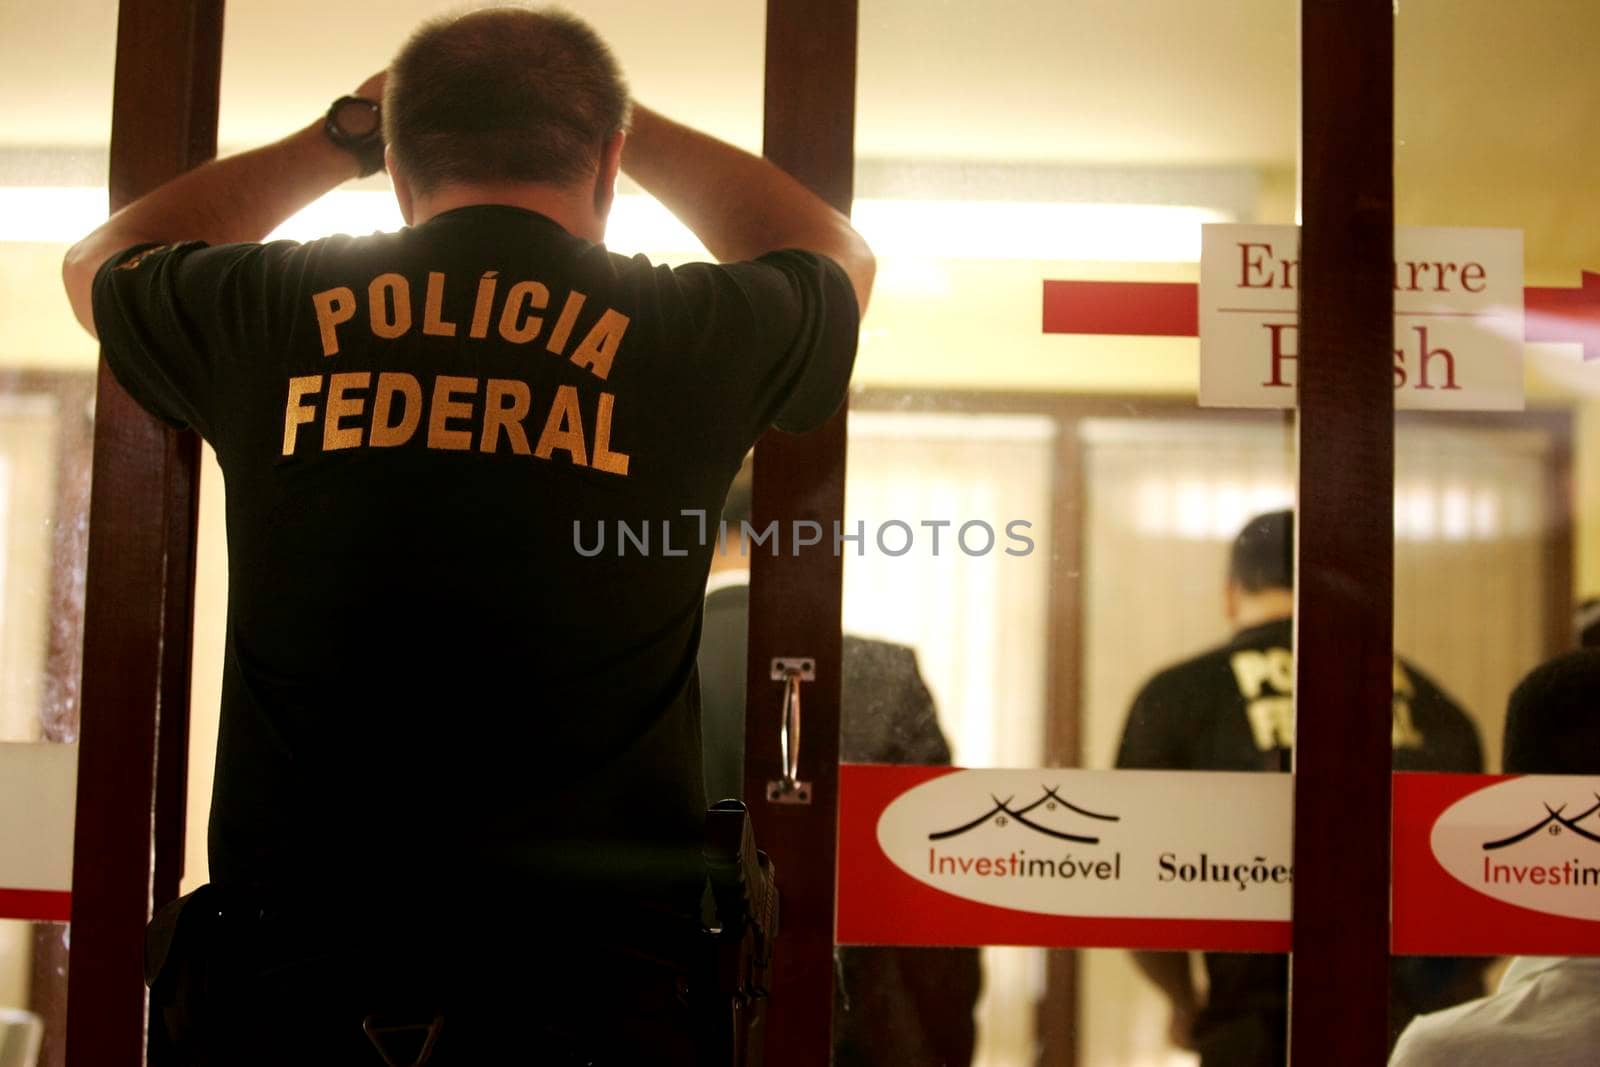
x,y
1155,859
1458,317
1496,864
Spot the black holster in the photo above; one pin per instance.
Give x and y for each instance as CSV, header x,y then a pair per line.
x,y
742,929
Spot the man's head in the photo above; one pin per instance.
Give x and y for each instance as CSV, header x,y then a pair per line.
x,y
1260,584
505,97
1553,718
1586,623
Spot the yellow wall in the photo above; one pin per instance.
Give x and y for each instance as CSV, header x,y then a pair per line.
x,y
1586,500
976,324
36,324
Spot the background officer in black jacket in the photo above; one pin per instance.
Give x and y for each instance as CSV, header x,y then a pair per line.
x,y
1232,709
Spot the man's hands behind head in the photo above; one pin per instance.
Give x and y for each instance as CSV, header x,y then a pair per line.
x,y
372,88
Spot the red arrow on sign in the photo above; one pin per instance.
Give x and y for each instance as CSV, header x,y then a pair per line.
x,y
1140,309
1172,309
1565,315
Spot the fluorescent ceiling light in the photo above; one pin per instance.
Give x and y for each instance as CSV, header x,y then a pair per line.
x,y
51,215
342,211
918,229
988,229
1210,509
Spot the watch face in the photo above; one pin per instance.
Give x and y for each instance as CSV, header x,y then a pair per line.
x,y
356,119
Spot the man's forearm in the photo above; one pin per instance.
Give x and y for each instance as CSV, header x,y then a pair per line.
x,y
1169,971
240,198
243,197
738,204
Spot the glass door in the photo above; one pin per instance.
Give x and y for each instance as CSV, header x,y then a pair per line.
x,y
1045,533
1496,544
52,191
1043,584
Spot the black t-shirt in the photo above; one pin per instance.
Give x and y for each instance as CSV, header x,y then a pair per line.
x,y
464,595
1231,709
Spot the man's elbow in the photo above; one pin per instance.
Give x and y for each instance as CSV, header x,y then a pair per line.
x,y
849,250
863,273
78,269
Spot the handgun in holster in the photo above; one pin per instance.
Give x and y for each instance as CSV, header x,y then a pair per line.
x,y
742,923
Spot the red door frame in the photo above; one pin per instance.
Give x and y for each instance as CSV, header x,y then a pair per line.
x,y
809,130
139,594
1344,654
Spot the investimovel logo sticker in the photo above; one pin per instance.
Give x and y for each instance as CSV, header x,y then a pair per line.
x,y
1098,843
1050,801
1533,842
1017,863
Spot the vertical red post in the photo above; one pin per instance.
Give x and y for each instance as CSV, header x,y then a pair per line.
x,y
1345,591
795,600
140,579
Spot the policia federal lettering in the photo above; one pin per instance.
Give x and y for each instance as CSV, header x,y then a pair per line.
x,y
358,409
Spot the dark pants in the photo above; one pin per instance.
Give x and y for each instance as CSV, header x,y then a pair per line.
x,y
234,987
1247,1040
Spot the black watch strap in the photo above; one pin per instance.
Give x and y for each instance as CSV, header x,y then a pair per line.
x,y
355,124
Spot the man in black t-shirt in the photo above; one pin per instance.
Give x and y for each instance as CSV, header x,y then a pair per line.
x,y
462,462
1232,709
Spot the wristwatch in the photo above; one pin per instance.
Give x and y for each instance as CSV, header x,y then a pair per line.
x,y
355,124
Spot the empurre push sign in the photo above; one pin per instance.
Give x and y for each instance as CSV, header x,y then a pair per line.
x,y
1458,317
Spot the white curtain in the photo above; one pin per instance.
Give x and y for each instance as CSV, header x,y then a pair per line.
x,y
979,623
1163,499
29,429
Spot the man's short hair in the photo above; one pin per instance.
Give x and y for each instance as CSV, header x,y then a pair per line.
x,y
506,94
1263,553
1553,718
1586,623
